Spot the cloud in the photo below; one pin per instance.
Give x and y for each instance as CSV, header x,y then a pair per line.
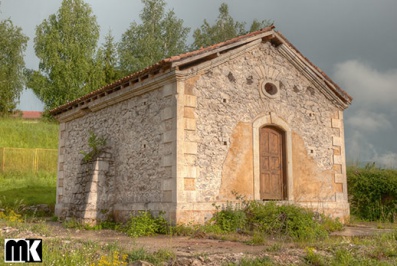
x,y
367,85
358,148
371,120
388,160
364,120
360,151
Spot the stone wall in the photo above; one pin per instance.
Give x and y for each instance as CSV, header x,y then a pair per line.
x,y
184,140
139,131
93,198
228,98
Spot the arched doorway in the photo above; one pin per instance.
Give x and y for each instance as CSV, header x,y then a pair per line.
x,y
272,154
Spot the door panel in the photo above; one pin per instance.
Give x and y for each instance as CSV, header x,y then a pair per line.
x,y
271,148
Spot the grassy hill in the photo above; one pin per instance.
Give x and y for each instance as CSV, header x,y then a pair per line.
x,y
23,178
18,133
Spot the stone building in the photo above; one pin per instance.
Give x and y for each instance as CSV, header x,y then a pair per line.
x,y
250,115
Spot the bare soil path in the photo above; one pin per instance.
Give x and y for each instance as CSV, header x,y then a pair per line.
x,y
194,251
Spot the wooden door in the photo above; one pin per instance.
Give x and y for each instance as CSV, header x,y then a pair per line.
x,y
271,149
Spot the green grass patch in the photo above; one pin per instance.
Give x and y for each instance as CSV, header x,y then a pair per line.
x,y
18,191
15,180
19,133
29,195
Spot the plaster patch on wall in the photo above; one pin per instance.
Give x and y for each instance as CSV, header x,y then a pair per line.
x,y
237,173
310,183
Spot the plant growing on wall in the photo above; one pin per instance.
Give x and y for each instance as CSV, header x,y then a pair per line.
x,y
96,144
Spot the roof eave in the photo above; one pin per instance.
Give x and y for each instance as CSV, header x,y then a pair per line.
x,y
198,56
322,77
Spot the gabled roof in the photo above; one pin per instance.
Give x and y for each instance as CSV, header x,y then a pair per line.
x,y
186,60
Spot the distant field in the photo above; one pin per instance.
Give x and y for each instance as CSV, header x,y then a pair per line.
x,y
18,133
27,168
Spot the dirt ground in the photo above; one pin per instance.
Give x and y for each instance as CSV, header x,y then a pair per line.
x,y
191,251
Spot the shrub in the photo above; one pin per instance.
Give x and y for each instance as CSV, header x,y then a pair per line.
x,y
270,219
373,193
229,219
285,220
144,224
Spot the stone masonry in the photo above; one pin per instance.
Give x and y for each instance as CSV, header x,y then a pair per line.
x,y
183,134
221,105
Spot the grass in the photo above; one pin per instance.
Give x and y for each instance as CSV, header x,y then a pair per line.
x,y
371,250
18,133
32,189
23,185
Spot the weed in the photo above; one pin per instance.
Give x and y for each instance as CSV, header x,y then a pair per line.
x,y
11,204
261,261
263,219
285,220
274,248
343,256
312,257
165,255
331,225
115,259
162,255
182,230
10,216
96,144
144,224
72,223
230,218
257,239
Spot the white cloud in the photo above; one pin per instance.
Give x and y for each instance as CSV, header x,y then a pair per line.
x,y
368,87
388,160
358,148
369,121
373,111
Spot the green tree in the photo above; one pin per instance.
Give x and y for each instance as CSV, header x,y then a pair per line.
x,y
159,36
225,28
12,46
107,56
66,45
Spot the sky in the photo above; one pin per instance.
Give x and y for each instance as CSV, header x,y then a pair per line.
x,y
353,41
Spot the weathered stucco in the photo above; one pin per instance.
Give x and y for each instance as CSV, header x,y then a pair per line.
x,y
184,138
237,171
229,99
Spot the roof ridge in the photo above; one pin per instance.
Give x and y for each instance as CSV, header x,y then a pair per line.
x,y
167,63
